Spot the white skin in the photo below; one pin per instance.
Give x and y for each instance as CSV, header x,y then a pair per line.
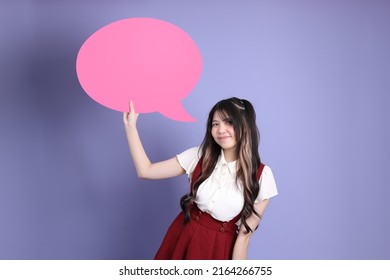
x,y
223,133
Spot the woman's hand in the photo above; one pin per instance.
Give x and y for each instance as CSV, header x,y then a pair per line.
x,y
130,119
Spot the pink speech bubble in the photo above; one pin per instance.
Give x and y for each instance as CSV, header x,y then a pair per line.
x,y
150,61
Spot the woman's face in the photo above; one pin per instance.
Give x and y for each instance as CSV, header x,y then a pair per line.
x,y
222,131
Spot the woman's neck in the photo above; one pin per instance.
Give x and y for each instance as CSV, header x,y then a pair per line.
x,y
230,155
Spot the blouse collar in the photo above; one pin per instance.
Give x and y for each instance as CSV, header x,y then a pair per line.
x,y
232,166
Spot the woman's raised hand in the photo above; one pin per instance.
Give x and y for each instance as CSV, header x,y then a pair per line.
x,y
130,119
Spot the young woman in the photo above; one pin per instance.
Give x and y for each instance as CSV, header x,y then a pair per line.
x,y
230,187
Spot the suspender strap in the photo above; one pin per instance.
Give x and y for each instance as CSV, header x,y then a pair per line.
x,y
259,171
196,173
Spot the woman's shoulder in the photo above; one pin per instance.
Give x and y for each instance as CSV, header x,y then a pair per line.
x,y
267,169
267,174
267,182
191,153
189,158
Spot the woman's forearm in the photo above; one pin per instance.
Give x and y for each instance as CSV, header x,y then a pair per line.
x,y
137,151
241,245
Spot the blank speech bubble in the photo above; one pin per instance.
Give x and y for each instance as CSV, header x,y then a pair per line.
x,y
152,62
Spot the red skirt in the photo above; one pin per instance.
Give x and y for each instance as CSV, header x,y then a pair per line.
x,y
202,238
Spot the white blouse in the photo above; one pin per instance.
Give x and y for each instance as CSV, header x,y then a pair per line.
x,y
219,195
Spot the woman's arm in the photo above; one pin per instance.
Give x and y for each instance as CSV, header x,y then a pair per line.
x,y
240,249
146,169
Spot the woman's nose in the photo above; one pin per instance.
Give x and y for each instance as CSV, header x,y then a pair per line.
x,y
221,128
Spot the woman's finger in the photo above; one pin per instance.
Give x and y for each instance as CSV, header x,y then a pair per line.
x,y
125,116
132,107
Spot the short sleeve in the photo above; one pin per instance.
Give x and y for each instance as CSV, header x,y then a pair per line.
x,y
267,185
188,159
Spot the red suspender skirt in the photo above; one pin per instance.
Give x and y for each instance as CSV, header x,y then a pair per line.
x,y
202,238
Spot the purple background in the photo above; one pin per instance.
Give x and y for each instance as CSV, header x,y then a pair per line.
x,y
318,73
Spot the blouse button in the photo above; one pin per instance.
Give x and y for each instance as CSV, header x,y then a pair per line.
x,y
196,218
221,229
224,224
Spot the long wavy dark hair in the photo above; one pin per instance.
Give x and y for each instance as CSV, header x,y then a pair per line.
x,y
241,114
